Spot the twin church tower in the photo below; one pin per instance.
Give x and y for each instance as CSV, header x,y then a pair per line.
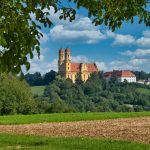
x,y
71,70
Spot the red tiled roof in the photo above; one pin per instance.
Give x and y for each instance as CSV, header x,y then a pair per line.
x,y
76,67
120,74
126,74
92,68
108,73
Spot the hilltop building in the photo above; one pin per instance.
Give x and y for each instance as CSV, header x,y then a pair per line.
x,y
71,70
121,76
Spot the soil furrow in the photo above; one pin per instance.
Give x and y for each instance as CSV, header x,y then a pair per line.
x,y
136,129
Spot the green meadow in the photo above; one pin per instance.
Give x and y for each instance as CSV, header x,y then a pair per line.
x,y
8,141
37,90
65,117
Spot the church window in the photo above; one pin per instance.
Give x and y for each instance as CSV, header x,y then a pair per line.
x,y
68,75
68,68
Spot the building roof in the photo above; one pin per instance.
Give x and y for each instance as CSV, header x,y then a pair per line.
x,y
76,67
120,74
126,74
92,67
108,74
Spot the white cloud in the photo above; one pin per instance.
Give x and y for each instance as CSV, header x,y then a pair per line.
x,y
123,39
120,39
80,59
143,42
138,62
116,65
133,64
120,65
146,33
137,53
80,30
70,34
42,67
37,64
139,59
53,65
45,38
110,34
101,66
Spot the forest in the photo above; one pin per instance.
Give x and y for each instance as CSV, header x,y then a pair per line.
x,y
61,95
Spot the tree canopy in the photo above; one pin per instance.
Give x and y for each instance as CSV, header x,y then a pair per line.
x,y
96,94
20,33
15,96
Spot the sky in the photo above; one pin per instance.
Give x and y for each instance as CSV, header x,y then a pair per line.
x,y
128,48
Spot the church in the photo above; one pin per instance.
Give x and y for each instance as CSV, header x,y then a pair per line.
x,y
71,70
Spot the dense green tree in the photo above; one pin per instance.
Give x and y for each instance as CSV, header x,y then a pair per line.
x,y
49,77
15,96
43,105
60,106
34,79
20,32
37,79
141,75
96,94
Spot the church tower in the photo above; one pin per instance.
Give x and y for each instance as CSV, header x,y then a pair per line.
x,y
61,61
68,69
67,64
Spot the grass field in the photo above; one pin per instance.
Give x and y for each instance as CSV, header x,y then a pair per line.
x,y
62,143
64,117
37,90
144,91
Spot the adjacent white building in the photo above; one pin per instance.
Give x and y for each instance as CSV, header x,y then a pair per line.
x,y
147,82
121,76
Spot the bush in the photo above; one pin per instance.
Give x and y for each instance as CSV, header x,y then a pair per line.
x,y
15,96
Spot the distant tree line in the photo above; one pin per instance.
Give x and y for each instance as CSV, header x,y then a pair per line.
x,y
37,79
141,75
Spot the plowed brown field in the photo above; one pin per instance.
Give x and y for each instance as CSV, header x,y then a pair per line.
x,y
136,129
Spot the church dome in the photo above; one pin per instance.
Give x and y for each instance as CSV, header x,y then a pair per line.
x,y
67,50
61,50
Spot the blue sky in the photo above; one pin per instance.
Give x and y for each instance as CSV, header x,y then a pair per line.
x,y
128,48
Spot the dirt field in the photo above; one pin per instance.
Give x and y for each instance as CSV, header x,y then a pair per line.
x,y
137,129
